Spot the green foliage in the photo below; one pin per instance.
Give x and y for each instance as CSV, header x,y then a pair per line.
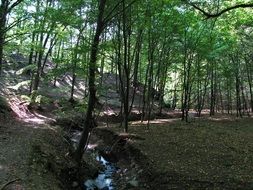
x,y
33,95
183,43
37,98
26,98
81,107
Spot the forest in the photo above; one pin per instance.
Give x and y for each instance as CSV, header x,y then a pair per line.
x,y
126,94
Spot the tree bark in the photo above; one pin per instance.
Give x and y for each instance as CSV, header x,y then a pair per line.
x,y
5,9
3,17
89,120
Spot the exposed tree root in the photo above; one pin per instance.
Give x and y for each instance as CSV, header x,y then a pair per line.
x,y
9,182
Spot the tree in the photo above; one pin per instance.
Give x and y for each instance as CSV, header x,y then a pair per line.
x,y
6,7
89,119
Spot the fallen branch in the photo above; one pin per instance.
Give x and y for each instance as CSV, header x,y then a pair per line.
x,y
9,182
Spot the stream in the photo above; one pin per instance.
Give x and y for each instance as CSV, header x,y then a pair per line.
x,y
104,179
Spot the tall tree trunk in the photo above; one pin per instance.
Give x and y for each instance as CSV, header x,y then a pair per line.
x,y
213,90
3,18
74,66
249,77
236,63
89,120
126,69
151,90
39,62
6,7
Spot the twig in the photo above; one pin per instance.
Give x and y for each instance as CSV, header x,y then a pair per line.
x,y
9,182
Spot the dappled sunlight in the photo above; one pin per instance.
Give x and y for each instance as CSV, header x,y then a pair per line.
x,y
221,118
19,108
109,111
34,120
57,84
22,112
91,146
124,134
225,117
157,121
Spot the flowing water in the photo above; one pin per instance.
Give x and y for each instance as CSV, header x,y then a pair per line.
x,y
104,179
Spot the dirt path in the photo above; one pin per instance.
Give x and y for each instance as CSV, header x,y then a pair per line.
x,y
23,135
16,141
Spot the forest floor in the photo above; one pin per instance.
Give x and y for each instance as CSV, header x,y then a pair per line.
x,y
32,152
209,153
25,149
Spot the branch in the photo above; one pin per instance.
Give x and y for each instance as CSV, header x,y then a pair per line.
x,y
14,36
14,5
210,15
112,10
110,15
15,23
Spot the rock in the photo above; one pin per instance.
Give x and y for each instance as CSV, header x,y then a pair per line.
x,y
89,183
133,183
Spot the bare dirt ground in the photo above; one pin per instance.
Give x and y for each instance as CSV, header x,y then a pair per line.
x,y
31,150
20,155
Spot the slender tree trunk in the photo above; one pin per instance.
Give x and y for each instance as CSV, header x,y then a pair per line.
x,y
49,51
74,62
221,98
151,90
39,62
237,85
228,96
3,18
143,112
245,105
136,67
249,77
6,7
59,52
238,98
126,69
89,120
184,87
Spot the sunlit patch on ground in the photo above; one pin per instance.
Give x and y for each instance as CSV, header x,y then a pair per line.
x,y
22,112
157,121
109,112
91,146
221,119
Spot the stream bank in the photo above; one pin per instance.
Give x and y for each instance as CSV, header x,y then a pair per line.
x,y
131,168
119,161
